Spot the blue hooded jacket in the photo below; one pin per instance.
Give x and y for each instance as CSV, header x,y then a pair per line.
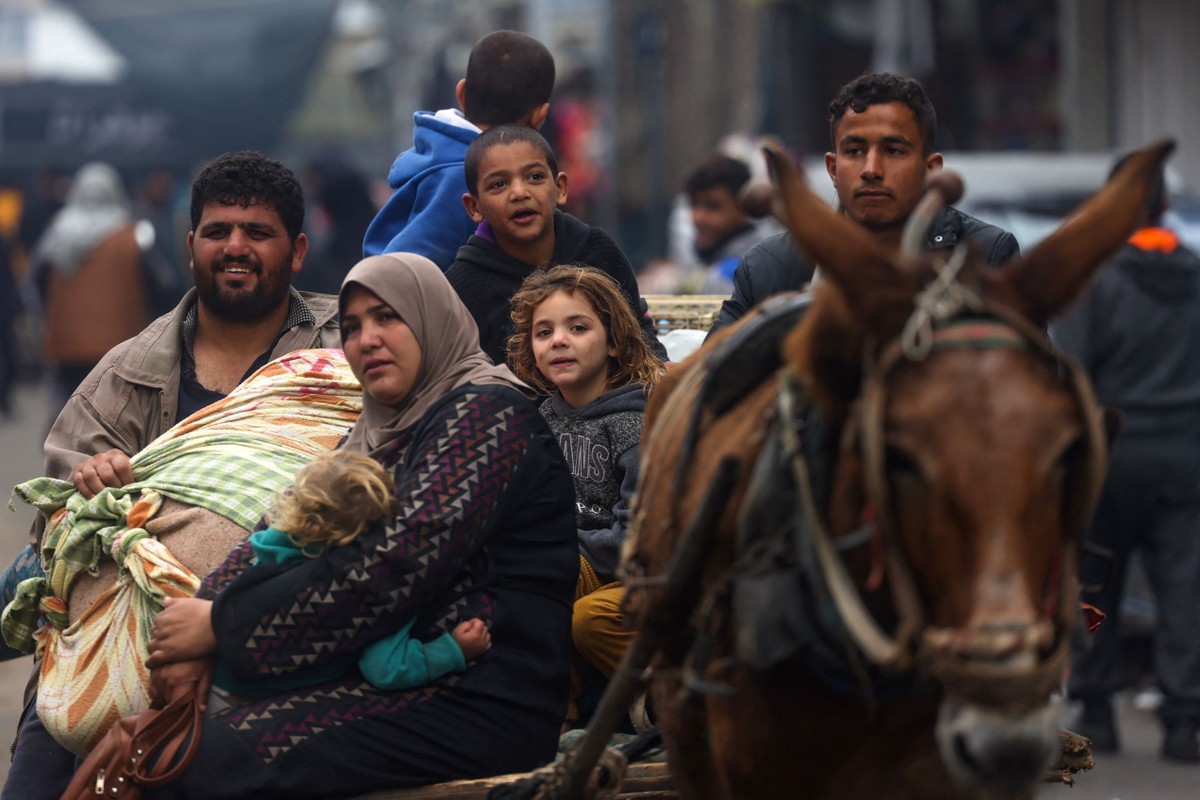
x,y
425,214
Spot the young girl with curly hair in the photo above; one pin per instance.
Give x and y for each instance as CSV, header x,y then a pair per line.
x,y
577,339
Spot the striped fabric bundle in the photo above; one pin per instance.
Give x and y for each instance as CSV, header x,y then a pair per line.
x,y
231,458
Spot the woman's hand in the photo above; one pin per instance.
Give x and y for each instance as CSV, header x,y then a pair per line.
x,y
182,632
173,680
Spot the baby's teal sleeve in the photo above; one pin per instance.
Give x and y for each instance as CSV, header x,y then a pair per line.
x,y
402,662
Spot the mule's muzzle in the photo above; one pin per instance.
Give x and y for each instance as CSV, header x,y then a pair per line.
x,y
997,728
993,754
1010,668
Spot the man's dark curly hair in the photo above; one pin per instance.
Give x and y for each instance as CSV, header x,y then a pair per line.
x,y
247,178
883,87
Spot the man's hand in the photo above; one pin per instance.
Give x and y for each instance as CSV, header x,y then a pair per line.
x,y
171,681
110,469
182,632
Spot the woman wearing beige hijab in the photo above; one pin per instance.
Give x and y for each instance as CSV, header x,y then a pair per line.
x,y
88,267
485,527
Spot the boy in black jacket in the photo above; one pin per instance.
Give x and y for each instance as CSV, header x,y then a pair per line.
x,y
514,185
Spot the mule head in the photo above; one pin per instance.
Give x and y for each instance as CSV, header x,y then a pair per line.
x,y
980,455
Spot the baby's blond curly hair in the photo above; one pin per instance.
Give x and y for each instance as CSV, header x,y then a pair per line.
x,y
333,499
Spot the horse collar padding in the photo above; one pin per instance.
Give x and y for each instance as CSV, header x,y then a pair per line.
x,y
894,652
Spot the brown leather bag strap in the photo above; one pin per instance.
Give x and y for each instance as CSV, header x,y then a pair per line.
x,y
161,735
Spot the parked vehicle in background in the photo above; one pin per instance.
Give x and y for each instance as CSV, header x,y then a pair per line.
x,y
1031,193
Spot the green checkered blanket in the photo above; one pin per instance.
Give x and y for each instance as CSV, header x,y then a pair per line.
x,y
232,458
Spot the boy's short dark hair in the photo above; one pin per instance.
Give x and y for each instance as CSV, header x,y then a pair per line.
x,y
247,177
503,134
719,170
883,87
509,74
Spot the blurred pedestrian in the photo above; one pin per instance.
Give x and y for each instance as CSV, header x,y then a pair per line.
x,y
161,241
10,309
40,203
344,198
1137,333
723,231
88,269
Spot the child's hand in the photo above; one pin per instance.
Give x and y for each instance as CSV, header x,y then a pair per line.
x,y
473,637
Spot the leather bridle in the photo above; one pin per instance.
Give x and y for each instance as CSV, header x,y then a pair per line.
x,y
968,663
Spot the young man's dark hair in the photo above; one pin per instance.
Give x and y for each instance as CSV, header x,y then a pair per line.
x,y
247,177
508,75
882,87
504,134
719,170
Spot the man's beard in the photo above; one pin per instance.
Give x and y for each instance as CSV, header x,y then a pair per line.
x,y
242,305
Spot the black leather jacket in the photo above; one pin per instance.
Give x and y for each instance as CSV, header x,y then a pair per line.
x,y
774,265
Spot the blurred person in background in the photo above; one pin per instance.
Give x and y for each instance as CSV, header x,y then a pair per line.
x,y
159,237
723,231
41,201
343,199
1137,332
10,309
88,269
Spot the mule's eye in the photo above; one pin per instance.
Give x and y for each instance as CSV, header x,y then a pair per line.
x,y
899,463
1071,463
1072,458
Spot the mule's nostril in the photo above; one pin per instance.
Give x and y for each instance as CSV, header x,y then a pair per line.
x,y
963,754
1014,765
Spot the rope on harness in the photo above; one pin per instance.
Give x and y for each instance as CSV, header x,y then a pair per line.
x,y
882,649
940,300
642,746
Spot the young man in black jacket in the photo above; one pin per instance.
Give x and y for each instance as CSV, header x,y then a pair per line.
x,y
882,129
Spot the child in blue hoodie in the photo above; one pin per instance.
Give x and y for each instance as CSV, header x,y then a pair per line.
x,y
335,498
509,80
576,336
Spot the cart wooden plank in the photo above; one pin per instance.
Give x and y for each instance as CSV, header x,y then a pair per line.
x,y
642,782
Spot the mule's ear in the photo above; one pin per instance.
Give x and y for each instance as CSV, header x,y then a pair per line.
x,y
1047,279
877,292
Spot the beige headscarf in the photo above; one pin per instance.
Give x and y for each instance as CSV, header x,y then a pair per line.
x,y
417,290
96,206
